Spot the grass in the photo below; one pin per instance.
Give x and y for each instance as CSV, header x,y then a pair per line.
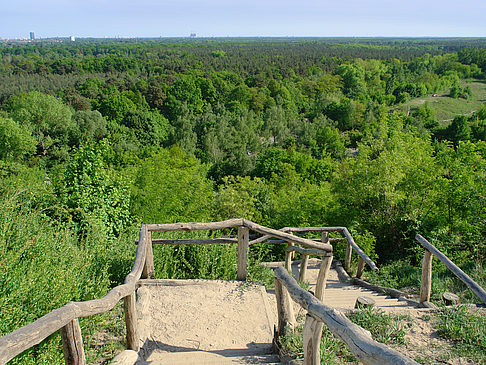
x,y
384,328
445,107
467,328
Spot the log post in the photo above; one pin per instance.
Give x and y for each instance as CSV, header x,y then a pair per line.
x,y
359,271
426,285
312,333
285,310
303,267
243,238
322,276
289,255
131,322
347,258
72,344
148,269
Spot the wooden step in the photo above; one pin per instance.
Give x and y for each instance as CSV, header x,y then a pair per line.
x,y
221,357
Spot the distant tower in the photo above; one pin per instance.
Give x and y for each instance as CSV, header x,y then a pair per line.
x,y
32,36
72,38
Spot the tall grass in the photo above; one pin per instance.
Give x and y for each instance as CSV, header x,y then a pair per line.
x,y
46,264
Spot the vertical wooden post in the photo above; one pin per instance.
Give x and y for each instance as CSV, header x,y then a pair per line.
x,y
347,258
243,238
289,255
72,344
303,267
285,310
361,263
426,285
325,237
148,269
312,333
322,276
131,322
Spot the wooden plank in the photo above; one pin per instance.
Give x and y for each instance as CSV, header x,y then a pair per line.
x,y
426,283
307,251
317,229
356,338
72,344
380,289
148,269
268,241
195,226
286,236
243,237
193,241
478,290
311,336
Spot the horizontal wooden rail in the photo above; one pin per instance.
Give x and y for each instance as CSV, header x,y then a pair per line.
x,y
25,337
356,338
196,226
286,236
194,241
427,272
307,251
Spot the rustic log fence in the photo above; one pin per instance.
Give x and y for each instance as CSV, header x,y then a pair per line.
x,y
65,319
356,338
350,247
426,284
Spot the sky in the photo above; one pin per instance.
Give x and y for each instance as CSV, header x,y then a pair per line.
x,y
238,18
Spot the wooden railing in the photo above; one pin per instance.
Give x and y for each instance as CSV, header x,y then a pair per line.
x,y
426,285
356,338
350,246
65,319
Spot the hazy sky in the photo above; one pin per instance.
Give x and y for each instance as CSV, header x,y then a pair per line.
x,y
208,18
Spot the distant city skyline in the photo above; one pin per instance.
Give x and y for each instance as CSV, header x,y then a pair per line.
x,y
237,18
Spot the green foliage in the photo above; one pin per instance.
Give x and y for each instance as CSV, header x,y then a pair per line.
x,y
16,141
94,195
90,126
44,266
388,187
49,120
170,187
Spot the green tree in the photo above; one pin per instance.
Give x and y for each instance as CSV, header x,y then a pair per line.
x,y
16,140
95,195
48,118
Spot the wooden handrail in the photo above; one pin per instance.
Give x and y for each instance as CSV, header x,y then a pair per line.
x,y
355,337
351,245
426,286
286,236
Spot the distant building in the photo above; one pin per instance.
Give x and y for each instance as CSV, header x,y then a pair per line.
x,y
193,35
72,38
32,36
